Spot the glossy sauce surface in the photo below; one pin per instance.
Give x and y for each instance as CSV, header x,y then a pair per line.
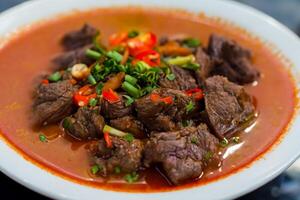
x,y
29,54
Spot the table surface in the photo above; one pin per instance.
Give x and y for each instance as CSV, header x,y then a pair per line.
x,y
284,187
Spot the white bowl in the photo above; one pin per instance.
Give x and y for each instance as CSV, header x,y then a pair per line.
x,y
246,180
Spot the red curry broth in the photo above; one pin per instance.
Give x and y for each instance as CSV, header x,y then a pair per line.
x,y
29,53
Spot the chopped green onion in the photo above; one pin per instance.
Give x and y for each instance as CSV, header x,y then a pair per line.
x,y
181,60
97,67
190,107
132,177
66,123
42,138
171,77
92,80
93,54
130,79
191,66
113,131
133,33
236,140
129,137
55,77
131,90
99,88
141,66
129,100
117,170
186,123
93,102
192,42
194,140
115,56
208,155
224,142
95,169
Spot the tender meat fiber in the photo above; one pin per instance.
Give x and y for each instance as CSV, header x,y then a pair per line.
x,y
125,155
182,154
228,106
115,110
70,58
184,80
158,116
231,60
79,38
86,124
129,124
53,102
206,66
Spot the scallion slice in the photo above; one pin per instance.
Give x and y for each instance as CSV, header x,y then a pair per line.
x,y
115,55
113,131
131,90
55,77
130,79
93,54
91,80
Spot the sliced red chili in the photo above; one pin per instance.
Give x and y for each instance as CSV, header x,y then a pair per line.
x,y
167,100
82,100
107,140
141,43
45,81
197,93
110,95
150,57
157,98
118,38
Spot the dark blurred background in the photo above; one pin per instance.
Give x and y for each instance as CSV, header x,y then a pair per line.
x,y
284,187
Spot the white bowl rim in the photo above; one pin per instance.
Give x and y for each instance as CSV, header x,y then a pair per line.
x,y
260,172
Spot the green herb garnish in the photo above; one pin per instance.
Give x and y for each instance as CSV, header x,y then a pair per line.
x,y
236,140
208,155
95,169
43,138
194,140
115,56
132,177
171,77
128,101
224,142
91,80
190,107
192,42
93,102
99,88
133,33
129,137
117,170
55,77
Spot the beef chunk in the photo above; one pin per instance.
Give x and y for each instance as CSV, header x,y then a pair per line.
x,y
125,155
182,154
158,116
53,102
228,106
79,38
129,124
231,60
184,80
86,124
115,110
70,58
206,66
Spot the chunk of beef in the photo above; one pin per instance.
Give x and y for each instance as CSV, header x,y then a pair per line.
x,y
184,80
182,154
227,105
125,155
232,60
115,110
79,38
70,58
53,102
206,66
159,116
86,123
129,124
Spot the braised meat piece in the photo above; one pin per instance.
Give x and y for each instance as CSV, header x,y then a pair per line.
x,y
70,58
231,60
127,156
184,80
79,38
115,110
206,66
227,105
160,116
182,154
129,124
86,123
53,102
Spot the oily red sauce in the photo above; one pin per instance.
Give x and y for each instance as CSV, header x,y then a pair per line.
x,y
28,55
